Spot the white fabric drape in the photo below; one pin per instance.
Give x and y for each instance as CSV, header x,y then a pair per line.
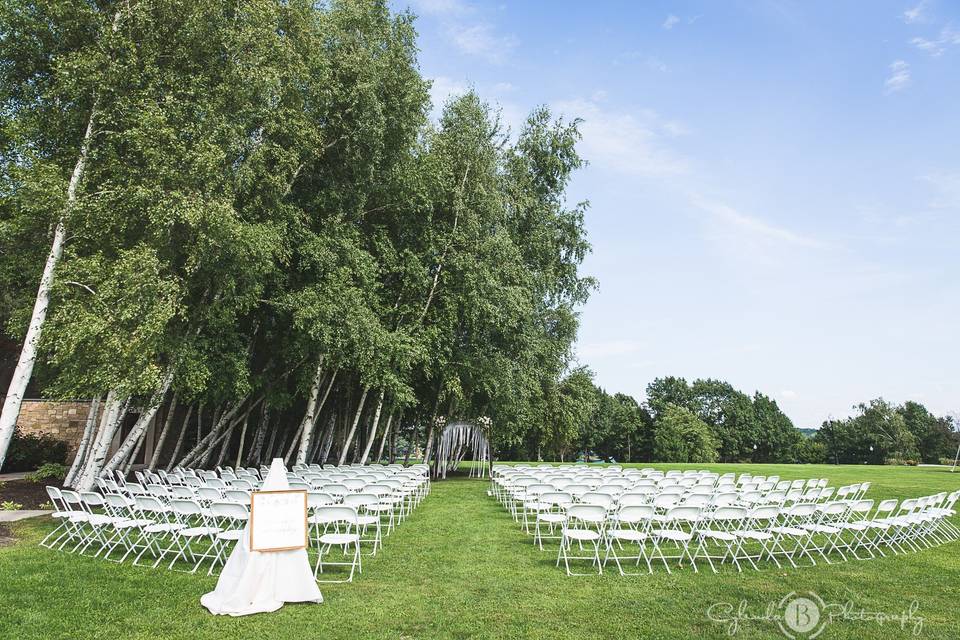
x,y
255,582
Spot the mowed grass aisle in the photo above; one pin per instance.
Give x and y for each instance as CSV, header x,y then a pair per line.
x,y
461,568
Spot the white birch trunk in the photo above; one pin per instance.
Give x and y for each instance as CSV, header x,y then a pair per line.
x,y
257,453
373,429
383,440
28,354
306,425
163,433
140,427
353,428
84,447
243,437
133,455
114,411
180,439
310,429
226,442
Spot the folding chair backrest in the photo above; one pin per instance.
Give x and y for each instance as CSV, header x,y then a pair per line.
x,y
683,514
591,514
149,504
861,507
208,493
231,510
666,500
597,498
557,498
354,484
723,499
317,499
356,500
237,495
333,514
185,507
91,499
763,514
56,498
697,500
633,514
634,499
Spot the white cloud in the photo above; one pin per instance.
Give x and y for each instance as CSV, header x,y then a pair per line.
x,y
481,40
752,230
670,22
948,37
899,77
442,89
631,143
916,13
788,394
441,7
947,186
651,62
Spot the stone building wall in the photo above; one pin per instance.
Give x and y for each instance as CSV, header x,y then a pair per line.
x,y
62,420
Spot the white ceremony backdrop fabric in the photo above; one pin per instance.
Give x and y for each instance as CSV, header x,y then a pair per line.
x,y
255,582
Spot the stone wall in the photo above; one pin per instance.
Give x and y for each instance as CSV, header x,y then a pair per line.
x,y
62,420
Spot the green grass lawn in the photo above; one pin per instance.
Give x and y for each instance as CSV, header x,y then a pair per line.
x,y
461,568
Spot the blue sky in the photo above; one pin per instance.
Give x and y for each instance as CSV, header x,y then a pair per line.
x,y
774,185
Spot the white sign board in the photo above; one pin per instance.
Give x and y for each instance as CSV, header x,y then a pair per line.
x,y
278,520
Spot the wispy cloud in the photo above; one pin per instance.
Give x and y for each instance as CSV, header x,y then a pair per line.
x,y
443,88
465,29
483,41
787,394
948,37
947,186
649,61
441,7
916,13
735,224
670,22
899,77
628,142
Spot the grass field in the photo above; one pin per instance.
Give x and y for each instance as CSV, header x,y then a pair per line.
x,y
461,568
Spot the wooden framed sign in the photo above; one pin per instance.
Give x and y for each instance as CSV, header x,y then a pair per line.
x,y
278,520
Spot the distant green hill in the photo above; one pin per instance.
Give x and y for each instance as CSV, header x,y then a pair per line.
x,y
808,432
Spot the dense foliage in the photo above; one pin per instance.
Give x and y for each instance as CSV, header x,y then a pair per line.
x,y
267,244
881,432
30,451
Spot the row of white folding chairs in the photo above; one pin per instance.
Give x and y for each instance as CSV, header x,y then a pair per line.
x,y
195,530
409,490
736,534
504,476
541,498
514,493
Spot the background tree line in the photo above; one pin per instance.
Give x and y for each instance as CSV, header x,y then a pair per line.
x,y
711,421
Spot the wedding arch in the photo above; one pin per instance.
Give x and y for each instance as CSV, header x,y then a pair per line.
x,y
458,440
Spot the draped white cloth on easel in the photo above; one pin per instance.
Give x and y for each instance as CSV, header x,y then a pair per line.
x,y
255,582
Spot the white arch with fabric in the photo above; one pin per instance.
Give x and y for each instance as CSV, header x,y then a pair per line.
x,y
459,439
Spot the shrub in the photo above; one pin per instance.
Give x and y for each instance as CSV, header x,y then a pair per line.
x,y
909,462
28,451
10,505
809,451
50,470
946,461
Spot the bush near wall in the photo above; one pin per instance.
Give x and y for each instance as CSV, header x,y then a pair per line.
x,y
29,451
